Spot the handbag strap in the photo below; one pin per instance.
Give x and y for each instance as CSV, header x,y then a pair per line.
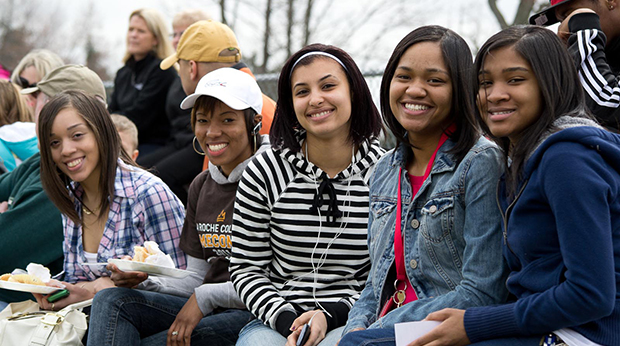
x,y
49,322
75,306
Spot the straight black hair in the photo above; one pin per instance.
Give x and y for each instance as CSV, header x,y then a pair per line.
x,y
457,57
557,78
365,119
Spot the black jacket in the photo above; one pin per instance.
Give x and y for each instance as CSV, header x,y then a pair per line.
x,y
140,90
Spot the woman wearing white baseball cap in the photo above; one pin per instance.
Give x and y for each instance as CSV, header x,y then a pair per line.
x,y
226,120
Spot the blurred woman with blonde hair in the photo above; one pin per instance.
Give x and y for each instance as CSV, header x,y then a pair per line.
x,y
140,87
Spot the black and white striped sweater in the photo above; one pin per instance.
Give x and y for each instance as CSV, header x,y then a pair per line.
x,y
275,232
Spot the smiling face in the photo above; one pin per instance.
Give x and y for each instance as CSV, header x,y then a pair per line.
x,y
74,147
421,92
140,40
509,97
223,136
322,99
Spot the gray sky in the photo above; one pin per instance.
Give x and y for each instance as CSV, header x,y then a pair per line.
x,y
470,18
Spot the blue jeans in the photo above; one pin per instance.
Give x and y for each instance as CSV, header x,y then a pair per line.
x,y
122,316
256,333
385,337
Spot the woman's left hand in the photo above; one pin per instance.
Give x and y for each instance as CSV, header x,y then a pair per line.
x,y
318,329
180,332
76,294
451,331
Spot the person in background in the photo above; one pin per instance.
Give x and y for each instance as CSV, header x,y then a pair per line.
x,y
204,47
140,87
591,29
434,230
560,198
301,212
4,73
178,151
108,204
32,68
18,138
25,209
203,308
128,132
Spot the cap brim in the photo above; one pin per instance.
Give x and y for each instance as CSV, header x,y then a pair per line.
x,y
226,98
169,61
546,17
29,90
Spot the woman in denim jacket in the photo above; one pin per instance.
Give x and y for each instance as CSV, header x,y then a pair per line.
x,y
450,254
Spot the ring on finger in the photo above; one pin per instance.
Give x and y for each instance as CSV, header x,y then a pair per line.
x,y
175,333
52,306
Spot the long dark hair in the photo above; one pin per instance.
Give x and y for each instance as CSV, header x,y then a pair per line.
x,y
457,57
365,119
54,181
557,79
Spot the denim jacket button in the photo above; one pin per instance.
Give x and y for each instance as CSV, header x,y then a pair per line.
x,y
415,223
413,264
433,208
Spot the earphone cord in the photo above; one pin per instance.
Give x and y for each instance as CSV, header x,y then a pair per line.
x,y
323,257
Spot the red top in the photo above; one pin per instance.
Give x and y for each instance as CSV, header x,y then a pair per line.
x,y
416,184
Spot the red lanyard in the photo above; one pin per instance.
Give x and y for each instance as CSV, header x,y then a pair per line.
x,y
404,292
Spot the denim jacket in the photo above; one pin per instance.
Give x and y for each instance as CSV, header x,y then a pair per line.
x,y
452,236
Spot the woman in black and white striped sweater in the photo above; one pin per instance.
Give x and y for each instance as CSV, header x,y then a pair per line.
x,y
301,213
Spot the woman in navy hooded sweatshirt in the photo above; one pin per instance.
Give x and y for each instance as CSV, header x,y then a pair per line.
x,y
560,199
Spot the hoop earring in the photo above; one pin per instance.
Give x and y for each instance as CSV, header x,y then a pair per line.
x,y
194,147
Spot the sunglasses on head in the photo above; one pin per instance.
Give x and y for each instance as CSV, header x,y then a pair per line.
x,y
24,83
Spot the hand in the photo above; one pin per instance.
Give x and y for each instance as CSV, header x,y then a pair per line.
x,y
318,329
126,279
563,32
184,324
4,206
451,331
77,293
350,331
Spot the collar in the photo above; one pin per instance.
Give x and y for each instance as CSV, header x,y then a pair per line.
x,y
368,153
123,182
138,65
235,175
443,160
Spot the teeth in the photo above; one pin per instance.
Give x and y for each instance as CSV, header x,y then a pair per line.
x,y
217,147
74,163
414,107
500,113
316,115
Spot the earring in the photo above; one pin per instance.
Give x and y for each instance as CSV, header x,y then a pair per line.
x,y
194,146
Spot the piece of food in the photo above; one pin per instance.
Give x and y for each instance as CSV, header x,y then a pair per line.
x,y
150,253
36,275
23,278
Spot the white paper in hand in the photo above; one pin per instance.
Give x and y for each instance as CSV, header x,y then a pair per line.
x,y
407,332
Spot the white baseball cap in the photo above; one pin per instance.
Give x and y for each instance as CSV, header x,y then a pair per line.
x,y
237,89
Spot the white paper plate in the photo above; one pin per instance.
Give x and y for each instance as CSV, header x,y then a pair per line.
x,y
18,286
152,269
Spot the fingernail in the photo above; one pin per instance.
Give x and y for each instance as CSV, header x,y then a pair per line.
x,y
293,328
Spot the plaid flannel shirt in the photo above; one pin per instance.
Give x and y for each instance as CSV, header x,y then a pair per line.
x,y
142,208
